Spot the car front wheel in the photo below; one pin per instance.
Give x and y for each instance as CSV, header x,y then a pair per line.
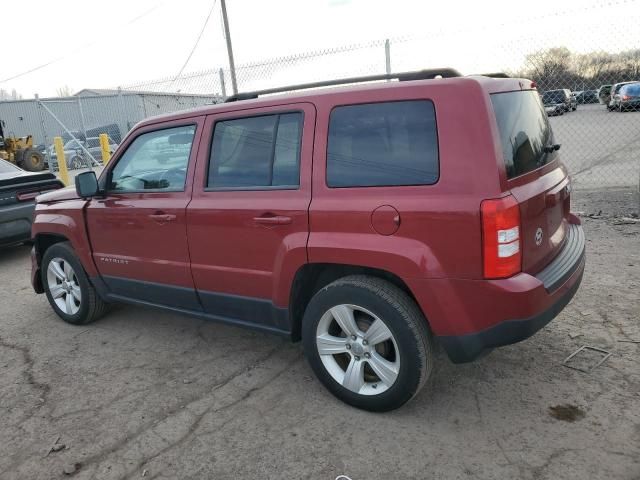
x,y
68,289
368,342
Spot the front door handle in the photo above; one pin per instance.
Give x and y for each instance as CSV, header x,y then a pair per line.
x,y
273,220
162,217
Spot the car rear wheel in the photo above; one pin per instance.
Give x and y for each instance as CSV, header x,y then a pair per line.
x,y
75,162
367,342
68,289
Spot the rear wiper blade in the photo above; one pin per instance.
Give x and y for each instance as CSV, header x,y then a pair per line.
x,y
551,148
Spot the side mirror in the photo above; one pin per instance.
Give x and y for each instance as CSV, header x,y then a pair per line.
x,y
86,184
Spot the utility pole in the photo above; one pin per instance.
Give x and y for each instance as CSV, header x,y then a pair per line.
x,y
227,36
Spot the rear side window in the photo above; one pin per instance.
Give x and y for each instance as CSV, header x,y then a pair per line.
x,y
383,144
256,152
524,131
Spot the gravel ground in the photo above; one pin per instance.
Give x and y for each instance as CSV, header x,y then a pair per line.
x,y
155,395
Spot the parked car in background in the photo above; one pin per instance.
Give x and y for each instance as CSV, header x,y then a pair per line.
x,y
556,102
587,96
614,103
347,217
77,157
18,190
629,97
604,94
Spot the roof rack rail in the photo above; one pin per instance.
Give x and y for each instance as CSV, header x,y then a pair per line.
x,y
402,77
495,75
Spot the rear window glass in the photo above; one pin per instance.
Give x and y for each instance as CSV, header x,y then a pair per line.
x,y
619,86
633,89
553,96
524,131
383,144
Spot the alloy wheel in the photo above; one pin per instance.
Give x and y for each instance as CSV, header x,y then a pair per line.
x,y
357,349
64,286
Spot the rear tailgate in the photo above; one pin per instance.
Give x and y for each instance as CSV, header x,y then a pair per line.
x,y
535,176
544,218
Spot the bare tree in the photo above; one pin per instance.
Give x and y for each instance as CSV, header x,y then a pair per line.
x,y
64,91
560,68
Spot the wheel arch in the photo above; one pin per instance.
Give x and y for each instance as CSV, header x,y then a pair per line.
x,y
312,277
41,243
65,221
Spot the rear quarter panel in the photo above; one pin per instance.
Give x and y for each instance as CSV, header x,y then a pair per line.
x,y
439,233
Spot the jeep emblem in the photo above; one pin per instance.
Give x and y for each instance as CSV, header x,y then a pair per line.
x,y
538,236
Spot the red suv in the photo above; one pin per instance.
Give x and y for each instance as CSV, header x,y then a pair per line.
x,y
368,221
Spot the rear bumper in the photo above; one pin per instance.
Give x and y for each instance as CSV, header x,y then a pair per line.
x,y
466,348
630,104
470,317
15,223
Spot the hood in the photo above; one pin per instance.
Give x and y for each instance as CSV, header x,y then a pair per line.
x,y
68,193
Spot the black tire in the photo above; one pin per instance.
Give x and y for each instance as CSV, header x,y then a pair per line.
x,y
76,162
32,160
401,316
91,305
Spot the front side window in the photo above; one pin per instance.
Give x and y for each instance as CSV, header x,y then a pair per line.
x,y
383,144
256,152
155,161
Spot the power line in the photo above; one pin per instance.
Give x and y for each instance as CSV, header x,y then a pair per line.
x,y
56,60
195,45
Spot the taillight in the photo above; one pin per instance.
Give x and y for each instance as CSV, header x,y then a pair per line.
x,y
501,246
31,194
626,97
24,196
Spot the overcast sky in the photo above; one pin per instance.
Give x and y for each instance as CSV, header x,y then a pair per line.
x,y
123,42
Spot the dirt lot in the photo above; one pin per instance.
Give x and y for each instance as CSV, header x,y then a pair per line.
x,y
155,395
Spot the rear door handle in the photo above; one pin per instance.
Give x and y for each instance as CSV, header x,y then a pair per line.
x,y
162,217
273,220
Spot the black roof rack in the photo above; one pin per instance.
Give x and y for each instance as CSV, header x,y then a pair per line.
x,y
495,75
405,76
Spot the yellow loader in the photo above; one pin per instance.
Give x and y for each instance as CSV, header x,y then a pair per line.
x,y
19,150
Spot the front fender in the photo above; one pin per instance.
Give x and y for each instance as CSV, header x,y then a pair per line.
x,y
65,219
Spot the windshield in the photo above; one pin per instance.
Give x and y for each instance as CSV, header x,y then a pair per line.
x,y
71,144
553,96
6,167
524,131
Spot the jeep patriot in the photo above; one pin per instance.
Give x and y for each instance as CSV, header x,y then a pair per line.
x,y
370,221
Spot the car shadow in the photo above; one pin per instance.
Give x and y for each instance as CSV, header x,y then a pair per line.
x,y
14,252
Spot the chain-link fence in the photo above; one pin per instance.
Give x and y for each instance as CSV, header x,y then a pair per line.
x,y
581,82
